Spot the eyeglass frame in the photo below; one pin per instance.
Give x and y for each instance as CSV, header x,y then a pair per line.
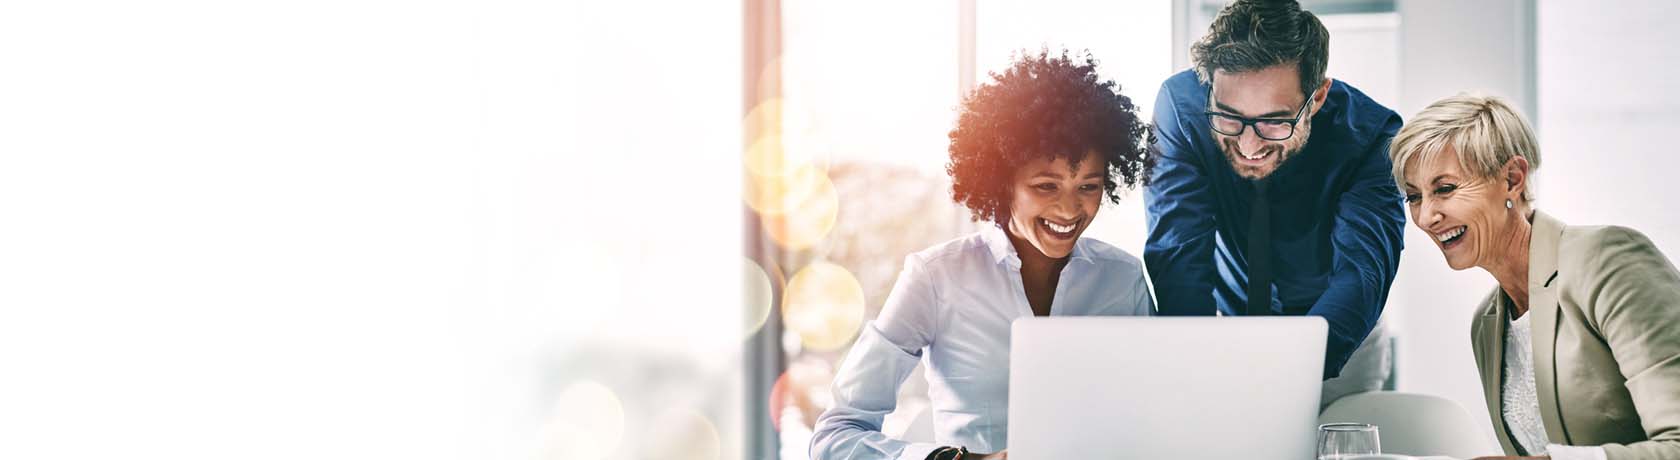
x,y
1248,123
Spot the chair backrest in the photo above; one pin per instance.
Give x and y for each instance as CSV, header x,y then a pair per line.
x,y
1413,424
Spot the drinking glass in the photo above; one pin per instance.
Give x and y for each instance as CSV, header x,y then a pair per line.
x,y
1337,441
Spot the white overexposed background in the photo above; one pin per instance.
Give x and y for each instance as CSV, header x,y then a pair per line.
x,y
369,229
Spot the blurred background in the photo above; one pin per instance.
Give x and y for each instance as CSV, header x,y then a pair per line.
x,y
615,230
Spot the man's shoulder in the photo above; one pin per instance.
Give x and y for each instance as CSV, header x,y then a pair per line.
x,y
1183,79
1184,86
1367,119
1178,114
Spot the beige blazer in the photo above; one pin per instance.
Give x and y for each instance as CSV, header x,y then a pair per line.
x,y
1606,318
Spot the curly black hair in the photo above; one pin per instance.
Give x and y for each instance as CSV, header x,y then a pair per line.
x,y
1043,106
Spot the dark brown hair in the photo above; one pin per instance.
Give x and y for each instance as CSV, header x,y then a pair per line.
x,y
1251,35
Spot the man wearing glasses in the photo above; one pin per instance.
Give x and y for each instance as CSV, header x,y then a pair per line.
x,y
1271,192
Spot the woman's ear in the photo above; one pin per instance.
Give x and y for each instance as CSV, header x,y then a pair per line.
x,y
1516,175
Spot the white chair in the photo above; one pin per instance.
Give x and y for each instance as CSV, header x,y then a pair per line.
x,y
1412,423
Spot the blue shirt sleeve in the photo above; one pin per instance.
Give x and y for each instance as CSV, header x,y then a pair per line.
x,y
1179,207
1367,240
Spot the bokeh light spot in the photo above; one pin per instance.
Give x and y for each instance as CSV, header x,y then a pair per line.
x,y
786,158
777,194
587,423
823,303
756,294
685,434
782,136
803,224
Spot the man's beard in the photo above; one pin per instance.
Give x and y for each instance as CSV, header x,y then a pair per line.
x,y
1277,153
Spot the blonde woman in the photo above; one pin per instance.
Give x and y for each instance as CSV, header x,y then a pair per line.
x,y
1579,346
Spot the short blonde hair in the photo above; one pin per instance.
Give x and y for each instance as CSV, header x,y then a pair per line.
x,y
1483,129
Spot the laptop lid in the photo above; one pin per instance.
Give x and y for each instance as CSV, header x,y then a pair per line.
x,y
1155,387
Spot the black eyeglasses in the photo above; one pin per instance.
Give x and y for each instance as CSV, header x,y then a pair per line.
x,y
1271,129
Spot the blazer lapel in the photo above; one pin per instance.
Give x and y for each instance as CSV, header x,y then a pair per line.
x,y
1542,303
1490,357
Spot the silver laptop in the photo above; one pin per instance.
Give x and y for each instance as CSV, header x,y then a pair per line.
x,y
1165,388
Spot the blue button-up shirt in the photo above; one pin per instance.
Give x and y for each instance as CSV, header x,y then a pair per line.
x,y
951,309
1336,216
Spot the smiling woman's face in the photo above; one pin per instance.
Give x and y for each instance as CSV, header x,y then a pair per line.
x,y
1463,214
1053,203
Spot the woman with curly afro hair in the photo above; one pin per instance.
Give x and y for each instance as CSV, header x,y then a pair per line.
x,y
1035,153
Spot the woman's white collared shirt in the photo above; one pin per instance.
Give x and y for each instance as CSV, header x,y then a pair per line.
x,y
951,309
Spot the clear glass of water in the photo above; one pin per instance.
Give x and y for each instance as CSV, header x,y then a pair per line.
x,y
1337,441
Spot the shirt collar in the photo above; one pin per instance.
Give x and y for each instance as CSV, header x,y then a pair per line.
x,y
1004,252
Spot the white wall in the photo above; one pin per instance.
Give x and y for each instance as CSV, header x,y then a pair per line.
x,y
1365,53
1447,47
1607,105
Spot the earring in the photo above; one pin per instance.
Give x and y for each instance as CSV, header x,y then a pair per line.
x,y
1509,204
